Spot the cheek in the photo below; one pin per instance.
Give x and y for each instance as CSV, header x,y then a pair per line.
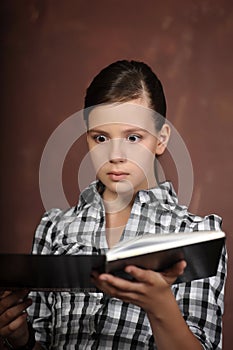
x,y
99,156
141,156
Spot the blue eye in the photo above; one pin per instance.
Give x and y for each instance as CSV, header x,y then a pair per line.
x,y
134,138
100,138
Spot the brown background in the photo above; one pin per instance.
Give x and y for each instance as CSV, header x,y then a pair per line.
x,y
50,52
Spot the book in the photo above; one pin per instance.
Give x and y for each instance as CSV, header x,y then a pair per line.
x,y
201,250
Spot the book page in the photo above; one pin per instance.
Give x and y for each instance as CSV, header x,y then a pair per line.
x,y
157,242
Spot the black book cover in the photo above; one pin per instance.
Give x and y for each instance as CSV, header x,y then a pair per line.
x,y
73,272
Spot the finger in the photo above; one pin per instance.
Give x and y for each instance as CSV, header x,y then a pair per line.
x,y
141,275
115,288
176,270
10,328
113,280
148,276
9,299
112,283
4,293
12,313
94,274
172,274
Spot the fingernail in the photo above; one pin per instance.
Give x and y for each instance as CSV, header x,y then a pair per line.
x,y
103,278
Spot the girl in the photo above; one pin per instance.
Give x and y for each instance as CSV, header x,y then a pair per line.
x,y
125,112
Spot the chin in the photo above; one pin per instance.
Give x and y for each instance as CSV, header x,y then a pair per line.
x,y
122,187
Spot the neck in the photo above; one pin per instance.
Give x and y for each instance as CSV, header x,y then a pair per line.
x,y
115,203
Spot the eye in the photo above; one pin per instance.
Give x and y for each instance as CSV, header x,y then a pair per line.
x,y
134,138
100,138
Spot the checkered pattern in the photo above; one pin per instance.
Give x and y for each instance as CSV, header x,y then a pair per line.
x,y
96,321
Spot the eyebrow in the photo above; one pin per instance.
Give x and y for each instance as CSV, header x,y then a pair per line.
x,y
130,130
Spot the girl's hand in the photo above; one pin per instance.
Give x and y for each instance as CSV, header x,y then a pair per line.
x,y
149,289
13,316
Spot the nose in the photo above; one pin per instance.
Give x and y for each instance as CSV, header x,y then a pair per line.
x,y
117,151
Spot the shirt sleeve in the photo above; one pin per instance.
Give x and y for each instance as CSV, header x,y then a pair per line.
x,y
202,301
40,312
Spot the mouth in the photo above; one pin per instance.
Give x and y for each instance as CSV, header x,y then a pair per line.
x,y
117,175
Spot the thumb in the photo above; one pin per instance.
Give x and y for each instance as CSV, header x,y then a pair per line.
x,y
176,269
174,272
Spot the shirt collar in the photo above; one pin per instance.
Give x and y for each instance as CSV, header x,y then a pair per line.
x,y
163,195
91,196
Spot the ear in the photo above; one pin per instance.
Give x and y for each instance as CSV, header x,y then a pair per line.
x,y
163,138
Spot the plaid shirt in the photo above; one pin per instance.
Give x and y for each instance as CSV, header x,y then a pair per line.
x,y
64,320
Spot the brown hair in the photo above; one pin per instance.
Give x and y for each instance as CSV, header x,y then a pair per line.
x,y
123,81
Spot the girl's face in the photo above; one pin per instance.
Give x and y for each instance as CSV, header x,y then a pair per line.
x,y
123,142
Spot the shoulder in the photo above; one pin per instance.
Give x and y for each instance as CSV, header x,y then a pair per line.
x,y
58,216
52,221
211,222
180,215
56,224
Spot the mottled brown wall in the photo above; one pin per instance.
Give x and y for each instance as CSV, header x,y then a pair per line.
x,y
50,51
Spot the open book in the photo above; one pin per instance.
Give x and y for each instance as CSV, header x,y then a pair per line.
x,y
158,252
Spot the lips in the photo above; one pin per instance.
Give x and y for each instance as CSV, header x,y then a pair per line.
x,y
117,175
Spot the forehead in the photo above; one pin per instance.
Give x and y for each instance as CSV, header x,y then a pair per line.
x,y
135,115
